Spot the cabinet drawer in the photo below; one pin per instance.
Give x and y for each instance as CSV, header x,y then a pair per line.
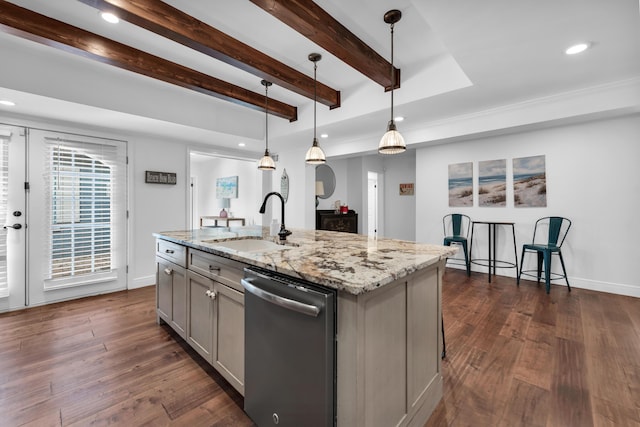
x,y
172,252
222,269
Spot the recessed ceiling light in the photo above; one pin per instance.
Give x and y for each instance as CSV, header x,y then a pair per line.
x,y
241,144
577,48
324,135
110,17
398,119
7,102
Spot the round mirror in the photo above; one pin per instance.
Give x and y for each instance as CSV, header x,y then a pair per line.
x,y
325,181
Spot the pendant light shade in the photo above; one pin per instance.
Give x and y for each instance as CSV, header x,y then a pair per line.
x,y
315,155
266,163
392,142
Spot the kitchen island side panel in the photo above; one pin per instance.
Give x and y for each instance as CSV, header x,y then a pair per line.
x,y
389,346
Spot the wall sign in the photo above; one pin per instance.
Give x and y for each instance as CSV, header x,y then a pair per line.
x,y
152,177
406,189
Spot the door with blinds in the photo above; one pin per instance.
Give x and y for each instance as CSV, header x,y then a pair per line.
x,y
13,245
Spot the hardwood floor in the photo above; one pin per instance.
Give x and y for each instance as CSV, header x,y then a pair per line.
x,y
515,357
520,357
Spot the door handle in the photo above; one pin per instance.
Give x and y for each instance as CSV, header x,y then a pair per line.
x,y
300,307
14,226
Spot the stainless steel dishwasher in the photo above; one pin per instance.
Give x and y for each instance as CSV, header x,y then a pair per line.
x,y
290,351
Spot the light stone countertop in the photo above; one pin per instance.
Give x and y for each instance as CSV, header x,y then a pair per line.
x,y
348,262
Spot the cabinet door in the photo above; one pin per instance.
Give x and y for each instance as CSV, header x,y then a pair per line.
x,y
228,348
200,314
164,290
171,295
179,300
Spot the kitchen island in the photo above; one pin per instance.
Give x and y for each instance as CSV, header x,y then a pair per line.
x,y
388,311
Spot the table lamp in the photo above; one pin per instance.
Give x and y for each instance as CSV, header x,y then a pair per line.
x,y
224,203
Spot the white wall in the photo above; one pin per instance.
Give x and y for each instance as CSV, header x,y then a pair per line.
x,y
593,178
154,207
399,211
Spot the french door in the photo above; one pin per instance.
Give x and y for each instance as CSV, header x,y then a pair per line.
x,y
65,217
13,218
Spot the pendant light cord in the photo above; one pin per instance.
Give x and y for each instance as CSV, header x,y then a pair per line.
x,y
266,117
315,98
393,74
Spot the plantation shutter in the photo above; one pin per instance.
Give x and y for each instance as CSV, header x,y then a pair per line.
x,y
82,180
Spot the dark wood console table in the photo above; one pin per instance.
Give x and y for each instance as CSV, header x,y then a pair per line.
x,y
332,221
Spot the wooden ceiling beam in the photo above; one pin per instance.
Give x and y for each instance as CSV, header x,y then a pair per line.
x,y
167,21
317,25
42,29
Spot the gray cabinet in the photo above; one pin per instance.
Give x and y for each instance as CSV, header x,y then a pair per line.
x,y
171,280
200,317
200,296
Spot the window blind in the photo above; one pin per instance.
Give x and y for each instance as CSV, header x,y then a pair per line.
x,y
82,180
4,194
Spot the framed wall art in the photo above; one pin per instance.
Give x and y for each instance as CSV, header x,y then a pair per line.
x,y
461,184
492,183
529,182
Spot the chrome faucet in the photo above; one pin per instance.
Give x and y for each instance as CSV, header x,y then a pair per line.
x,y
283,233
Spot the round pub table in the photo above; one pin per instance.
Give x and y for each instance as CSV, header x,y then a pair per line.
x,y
491,262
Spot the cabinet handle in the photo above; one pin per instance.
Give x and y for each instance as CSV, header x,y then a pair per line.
x,y
168,271
169,251
212,268
210,294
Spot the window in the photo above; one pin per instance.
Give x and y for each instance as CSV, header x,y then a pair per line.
x,y
82,181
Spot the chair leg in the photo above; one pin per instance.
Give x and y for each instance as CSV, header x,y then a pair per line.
x,y
547,270
520,271
466,258
564,270
540,259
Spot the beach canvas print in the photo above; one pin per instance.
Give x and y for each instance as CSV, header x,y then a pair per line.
x,y
492,183
529,182
461,184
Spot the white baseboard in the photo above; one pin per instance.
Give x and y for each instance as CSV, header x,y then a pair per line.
x,y
141,282
612,288
575,282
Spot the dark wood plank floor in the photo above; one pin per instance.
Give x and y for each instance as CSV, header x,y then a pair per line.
x,y
516,357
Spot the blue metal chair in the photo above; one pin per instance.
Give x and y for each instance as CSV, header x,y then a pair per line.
x,y
456,231
558,227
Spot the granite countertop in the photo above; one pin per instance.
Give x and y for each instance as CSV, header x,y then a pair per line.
x,y
353,263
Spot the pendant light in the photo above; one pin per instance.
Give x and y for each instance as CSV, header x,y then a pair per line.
x,y
315,155
266,163
392,142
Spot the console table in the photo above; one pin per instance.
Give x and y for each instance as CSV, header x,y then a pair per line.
x,y
492,263
332,221
219,218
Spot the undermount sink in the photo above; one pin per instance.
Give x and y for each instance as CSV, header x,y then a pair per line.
x,y
250,245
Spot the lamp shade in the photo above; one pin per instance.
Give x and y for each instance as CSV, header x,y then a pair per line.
x,y
319,188
315,155
266,162
224,203
392,141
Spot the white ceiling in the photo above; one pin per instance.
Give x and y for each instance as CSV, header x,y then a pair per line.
x,y
458,58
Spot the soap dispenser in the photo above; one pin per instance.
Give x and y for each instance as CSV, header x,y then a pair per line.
x,y
275,227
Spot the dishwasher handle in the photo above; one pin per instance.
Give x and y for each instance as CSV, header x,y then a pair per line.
x,y
300,307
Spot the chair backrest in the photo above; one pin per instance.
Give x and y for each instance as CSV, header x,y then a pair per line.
x,y
557,227
456,225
